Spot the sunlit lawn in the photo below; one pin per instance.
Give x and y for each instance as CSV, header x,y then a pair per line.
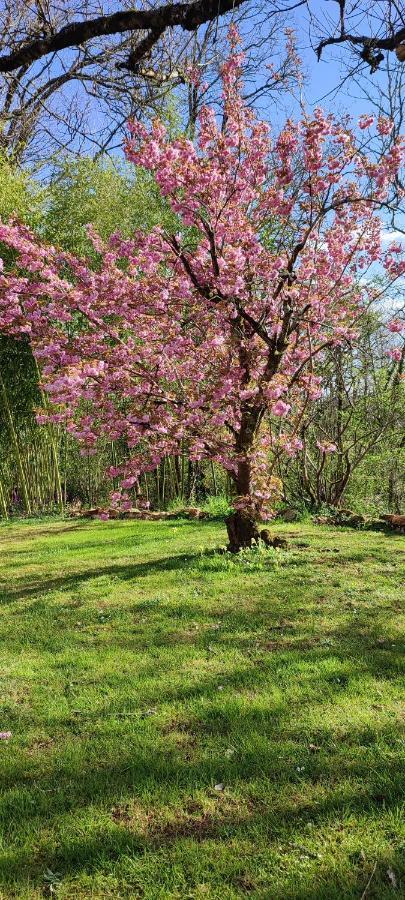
x,y
189,725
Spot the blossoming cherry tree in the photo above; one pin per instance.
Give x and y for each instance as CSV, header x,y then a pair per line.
x,y
210,337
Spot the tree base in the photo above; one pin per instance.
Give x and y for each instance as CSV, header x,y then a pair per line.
x,y
242,531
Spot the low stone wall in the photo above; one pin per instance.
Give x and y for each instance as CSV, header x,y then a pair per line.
x,y
347,518
98,512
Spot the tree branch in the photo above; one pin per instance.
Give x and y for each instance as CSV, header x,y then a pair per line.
x,y
369,44
189,16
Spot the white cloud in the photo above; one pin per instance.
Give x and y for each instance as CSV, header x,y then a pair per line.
x,y
389,236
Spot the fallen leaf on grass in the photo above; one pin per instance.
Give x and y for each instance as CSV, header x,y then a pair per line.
x,y
52,882
392,878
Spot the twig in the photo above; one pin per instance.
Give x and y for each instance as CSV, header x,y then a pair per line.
x,y
369,882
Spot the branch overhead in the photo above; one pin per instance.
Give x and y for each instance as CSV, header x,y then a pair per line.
x,y
371,46
188,16
71,75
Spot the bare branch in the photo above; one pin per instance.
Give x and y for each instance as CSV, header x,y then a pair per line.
x,y
189,16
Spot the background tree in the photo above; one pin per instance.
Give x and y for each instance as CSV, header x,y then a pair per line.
x,y
29,465
79,96
370,32
358,417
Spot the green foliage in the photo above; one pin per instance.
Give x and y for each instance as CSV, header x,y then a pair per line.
x,y
176,504
110,195
20,195
19,372
378,484
300,507
29,466
183,729
217,506
361,412
258,558
20,477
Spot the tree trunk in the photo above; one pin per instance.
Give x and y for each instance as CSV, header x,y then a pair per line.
x,y
242,531
3,502
241,524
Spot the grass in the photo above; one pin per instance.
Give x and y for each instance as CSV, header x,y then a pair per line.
x,y
189,725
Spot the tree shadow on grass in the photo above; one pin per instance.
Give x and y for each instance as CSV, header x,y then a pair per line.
x,y
69,583
32,587
97,774
155,762
265,632
24,534
110,784
117,538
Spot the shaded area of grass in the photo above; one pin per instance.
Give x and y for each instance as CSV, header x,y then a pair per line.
x,y
190,724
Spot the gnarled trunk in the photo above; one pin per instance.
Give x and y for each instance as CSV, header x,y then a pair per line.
x,y
242,531
241,524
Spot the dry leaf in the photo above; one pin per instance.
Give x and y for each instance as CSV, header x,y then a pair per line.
x,y
392,878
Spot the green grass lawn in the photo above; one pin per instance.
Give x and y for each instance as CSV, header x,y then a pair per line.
x,y
189,725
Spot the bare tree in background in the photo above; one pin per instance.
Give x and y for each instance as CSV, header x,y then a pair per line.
x,y
80,97
368,40
72,73
372,30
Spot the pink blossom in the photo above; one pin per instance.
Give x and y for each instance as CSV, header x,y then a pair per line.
x,y
326,446
384,125
129,482
395,354
366,121
396,326
280,408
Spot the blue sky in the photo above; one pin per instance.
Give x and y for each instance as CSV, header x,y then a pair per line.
x,y
323,79
324,82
